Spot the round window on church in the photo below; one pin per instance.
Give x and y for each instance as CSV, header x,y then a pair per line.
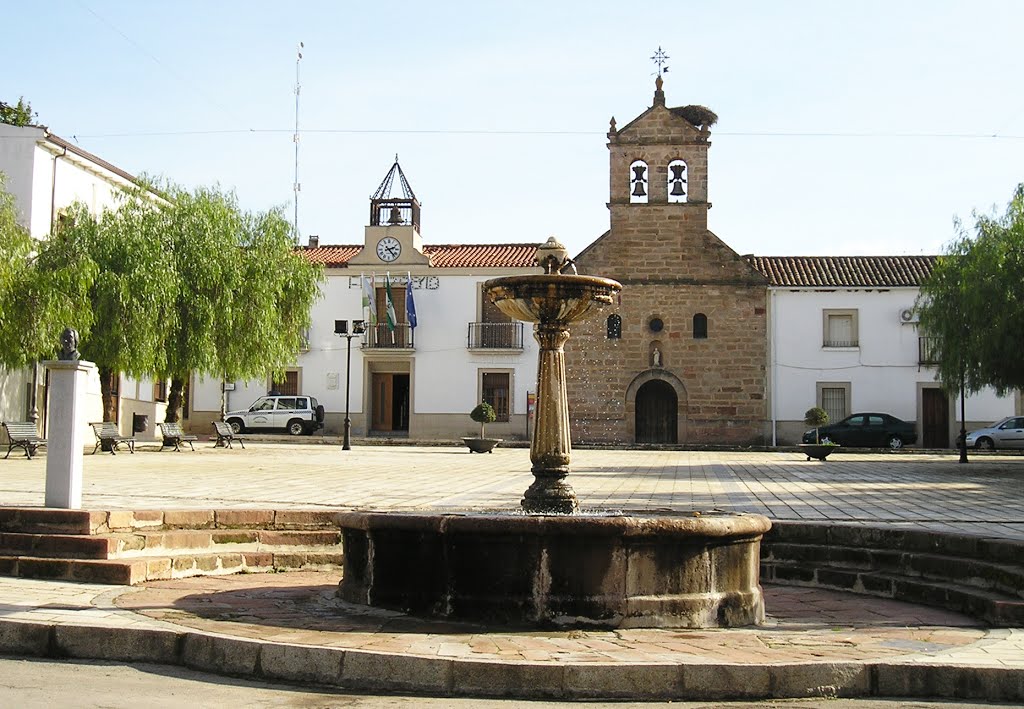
x,y
656,325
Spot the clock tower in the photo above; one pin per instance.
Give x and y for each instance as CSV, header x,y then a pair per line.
x,y
392,238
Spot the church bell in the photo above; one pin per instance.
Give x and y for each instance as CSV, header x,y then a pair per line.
x,y
396,216
638,189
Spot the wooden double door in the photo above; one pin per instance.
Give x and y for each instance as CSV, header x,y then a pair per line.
x,y
934,418
389,405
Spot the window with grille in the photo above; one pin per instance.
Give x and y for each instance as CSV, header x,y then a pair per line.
x,y
497,392
288,385
835,399
614,327
840,328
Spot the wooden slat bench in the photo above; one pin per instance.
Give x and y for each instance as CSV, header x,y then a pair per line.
x,y
106,432
174,436
225,435
23,434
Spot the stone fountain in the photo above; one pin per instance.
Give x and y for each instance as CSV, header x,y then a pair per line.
x,y
547,566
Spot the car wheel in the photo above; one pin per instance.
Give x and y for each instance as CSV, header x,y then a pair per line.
x,y
237,426
296,428
895,442
985,443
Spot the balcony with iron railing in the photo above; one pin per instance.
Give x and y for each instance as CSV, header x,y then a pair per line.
x,y
381,337
927,350
495,336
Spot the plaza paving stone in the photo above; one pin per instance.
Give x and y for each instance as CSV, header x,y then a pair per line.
x,y
920,490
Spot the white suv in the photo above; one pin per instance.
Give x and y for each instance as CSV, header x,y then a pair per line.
x,y
294,414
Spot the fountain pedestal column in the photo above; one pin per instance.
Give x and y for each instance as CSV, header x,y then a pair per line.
x,y
551,446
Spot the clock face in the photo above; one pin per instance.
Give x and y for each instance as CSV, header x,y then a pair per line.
x,y
388,249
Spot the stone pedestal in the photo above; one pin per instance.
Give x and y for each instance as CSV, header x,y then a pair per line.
x,y
65,433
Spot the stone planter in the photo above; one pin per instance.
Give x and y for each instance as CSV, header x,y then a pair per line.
x,y
481,445
817,450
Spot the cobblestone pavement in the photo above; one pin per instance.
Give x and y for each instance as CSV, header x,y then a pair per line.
x,y
986,496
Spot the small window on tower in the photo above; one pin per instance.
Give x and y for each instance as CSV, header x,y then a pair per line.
x,y
700,326
638,182
677,189
614,327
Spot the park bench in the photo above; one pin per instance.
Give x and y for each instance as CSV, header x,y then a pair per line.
x,y
23,434
225,435
174,436
107,434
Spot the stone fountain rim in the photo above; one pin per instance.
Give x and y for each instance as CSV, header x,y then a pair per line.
x,y
548,279
647,525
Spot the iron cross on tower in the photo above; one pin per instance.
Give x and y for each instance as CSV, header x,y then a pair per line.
x,y
659,59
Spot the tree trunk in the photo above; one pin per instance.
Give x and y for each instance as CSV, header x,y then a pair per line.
x,y
174,400
108,393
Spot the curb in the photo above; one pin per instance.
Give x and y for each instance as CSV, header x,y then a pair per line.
x,y
369,671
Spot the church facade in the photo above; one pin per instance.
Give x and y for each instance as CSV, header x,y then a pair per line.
x,y
681,357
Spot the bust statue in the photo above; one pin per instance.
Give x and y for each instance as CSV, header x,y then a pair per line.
x,y
68,345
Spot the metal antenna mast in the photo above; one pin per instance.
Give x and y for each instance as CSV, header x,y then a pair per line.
x,y
297,187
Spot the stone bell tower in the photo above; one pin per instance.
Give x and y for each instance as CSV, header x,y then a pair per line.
x,y
682,357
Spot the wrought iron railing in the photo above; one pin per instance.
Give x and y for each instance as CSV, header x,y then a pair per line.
x,y
495,336
927,350
841,343
380,336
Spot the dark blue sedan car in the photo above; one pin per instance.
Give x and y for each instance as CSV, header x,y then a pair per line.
x,y
868,430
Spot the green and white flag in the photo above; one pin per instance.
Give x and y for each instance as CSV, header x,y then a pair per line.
x,y
392,316
369,300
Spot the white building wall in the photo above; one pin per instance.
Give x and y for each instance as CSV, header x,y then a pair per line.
x,y
28,159
445,381
883,372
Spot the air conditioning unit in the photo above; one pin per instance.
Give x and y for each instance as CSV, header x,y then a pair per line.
x,y
908,316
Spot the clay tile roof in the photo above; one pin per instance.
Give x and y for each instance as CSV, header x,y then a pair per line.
x,y
481,255
844,271
330,255
441,255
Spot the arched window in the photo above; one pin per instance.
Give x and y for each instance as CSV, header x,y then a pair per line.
x,y
677,187
614,327
700,326
638,182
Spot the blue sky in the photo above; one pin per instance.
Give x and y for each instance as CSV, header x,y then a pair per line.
x,y
840,124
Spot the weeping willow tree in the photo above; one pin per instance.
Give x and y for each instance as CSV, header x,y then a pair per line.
x,y
972,303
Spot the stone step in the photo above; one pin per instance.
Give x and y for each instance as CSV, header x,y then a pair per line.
x,y
993,607
134,571
54,521
1005,578
176,542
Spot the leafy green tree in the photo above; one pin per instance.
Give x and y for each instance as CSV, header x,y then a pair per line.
x,y
20,114
483,414
133,294
43,289
243,294
973,303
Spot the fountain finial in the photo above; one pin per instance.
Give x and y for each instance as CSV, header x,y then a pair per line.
x,y
553,257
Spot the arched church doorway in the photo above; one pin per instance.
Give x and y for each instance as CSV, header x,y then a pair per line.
x,y
657,413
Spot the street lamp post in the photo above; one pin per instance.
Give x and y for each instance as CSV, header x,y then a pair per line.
x,y
341,327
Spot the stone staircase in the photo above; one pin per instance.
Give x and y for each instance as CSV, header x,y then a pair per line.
x,y
978,576
130,547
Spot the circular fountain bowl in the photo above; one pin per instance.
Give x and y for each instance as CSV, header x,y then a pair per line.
x,y
560,571
550,297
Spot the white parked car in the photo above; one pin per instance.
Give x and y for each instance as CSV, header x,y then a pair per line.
x,y
1008,433
295,414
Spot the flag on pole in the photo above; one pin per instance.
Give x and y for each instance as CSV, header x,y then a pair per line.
x,y
392,316
369,300
410,304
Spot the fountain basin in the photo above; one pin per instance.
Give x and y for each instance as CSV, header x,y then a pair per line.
x,y
697,571
550,297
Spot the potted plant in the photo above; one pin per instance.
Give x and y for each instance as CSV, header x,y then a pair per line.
x,y
483,414
817,417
